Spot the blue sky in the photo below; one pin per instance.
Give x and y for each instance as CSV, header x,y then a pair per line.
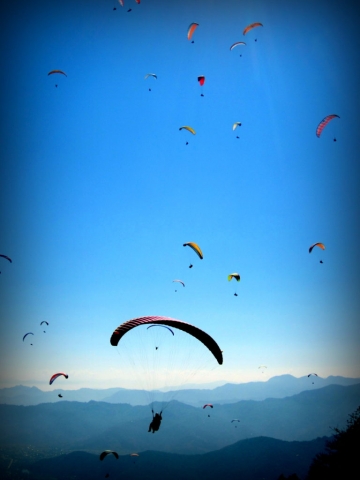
x,y
99,190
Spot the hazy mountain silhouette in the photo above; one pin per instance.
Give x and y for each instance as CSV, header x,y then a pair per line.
x,y
253,459
185,429
276,387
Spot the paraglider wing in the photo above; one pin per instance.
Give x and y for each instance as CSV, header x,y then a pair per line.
x,y
137,1
234,275
107,452
44,321
320,245
134,455
164,326
235,125
189,129
200,335
208,405
251,26
191,30
121,2
57,71
201,79
323,123
56,375
235,420
180,281
7,258
195,247
26,334
312,374
150,75
236,44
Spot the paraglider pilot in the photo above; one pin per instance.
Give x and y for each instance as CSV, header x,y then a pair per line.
x,y
156,422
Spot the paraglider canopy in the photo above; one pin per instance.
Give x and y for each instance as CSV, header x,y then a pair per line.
x,y
251,26
191,29
200,335
234,275
57,71
150,75
208,405
108,452
56,375
189,129
6,257
26,334
235,125
324,122
320,245
195,247
201,79
236,44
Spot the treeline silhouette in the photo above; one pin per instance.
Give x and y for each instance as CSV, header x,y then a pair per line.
x,y
341,458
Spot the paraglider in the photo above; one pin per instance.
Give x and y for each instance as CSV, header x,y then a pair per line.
x,y
201,80
150,75
251,26
121,2
236,44
189,129
56,375
236,276
323,124
26,334
320,245
312,374
196,249
108,452
235,126
235,420
208,405
6,257
200,335
52,72
191,30
44,321
156,422
262,368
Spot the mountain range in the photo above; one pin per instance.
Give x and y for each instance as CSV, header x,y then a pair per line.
x,y
96,426
260,458
276,387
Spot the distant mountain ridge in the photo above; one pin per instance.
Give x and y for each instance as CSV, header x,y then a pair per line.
x,y
185,429
276,387
254,459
